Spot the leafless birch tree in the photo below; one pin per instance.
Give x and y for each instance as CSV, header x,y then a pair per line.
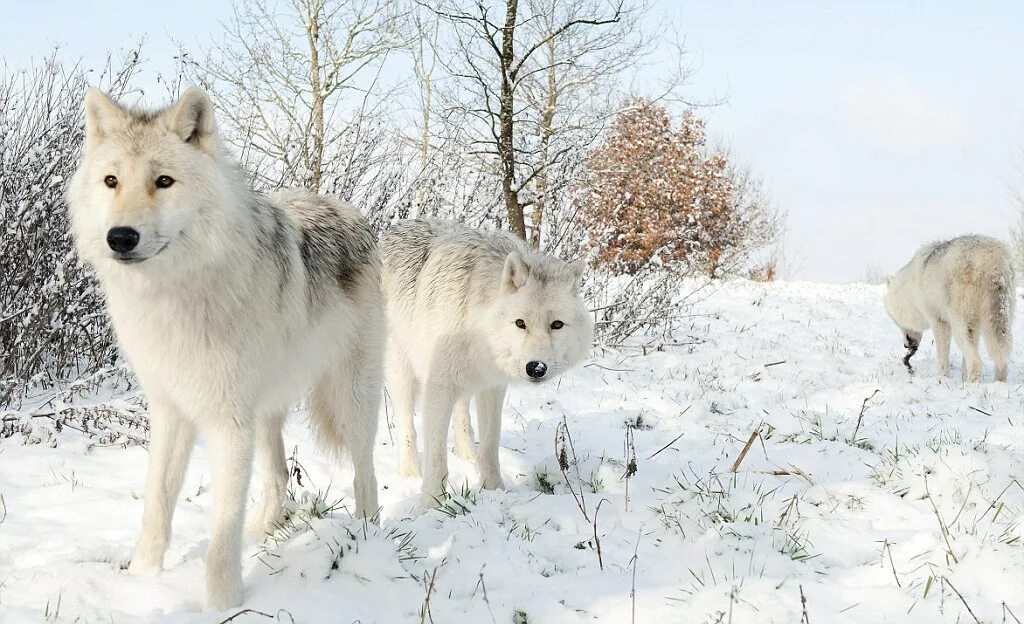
x,y
300,89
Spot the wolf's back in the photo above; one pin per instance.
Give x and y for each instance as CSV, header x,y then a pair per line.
x,y
446,259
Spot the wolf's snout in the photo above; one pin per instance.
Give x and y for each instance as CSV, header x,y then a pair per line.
x,y
122,239
536,370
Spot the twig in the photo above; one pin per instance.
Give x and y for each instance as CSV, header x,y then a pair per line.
x,y
770,364
597,540
629,450
425,613
564,445
1006,610
942,525
480,583
980,411
674,440
261,614
805,619
746,447
961,597
888,547
632,589
860,417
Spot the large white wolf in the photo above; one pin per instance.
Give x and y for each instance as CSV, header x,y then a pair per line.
x,y
962,288
230,305
468,313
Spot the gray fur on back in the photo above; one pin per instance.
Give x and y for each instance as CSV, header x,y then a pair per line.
x,y
335,241
465,263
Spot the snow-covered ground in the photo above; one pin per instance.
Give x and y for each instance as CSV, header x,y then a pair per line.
x,y
869,496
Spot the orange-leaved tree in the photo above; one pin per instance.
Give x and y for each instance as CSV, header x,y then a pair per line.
x,y
658,194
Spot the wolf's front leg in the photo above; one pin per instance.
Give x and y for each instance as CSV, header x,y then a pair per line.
x,y
488,413
274,472
943,333
438,400
231,451
171,441
464,445
404,387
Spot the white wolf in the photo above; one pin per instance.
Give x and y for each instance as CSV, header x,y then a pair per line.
x,y
468,313
965,288
230,305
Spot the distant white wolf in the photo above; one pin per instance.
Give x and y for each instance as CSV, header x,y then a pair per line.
x,y
965,288
470,312
231,306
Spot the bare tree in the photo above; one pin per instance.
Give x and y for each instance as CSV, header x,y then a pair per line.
x,y
492,52
573,88
300,89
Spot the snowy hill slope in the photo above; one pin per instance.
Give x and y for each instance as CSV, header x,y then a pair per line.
x,y
869,496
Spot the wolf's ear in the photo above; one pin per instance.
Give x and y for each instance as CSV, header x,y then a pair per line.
x,y
576,269
191,118
888,280
102,117
515,274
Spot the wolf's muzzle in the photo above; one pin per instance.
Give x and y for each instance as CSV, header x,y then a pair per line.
x,y
536,370
122,239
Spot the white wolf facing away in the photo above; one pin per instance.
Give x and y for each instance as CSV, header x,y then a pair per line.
x,y
470,312
965,288
230,306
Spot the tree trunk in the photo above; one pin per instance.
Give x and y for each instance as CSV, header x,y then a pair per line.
x,y
315,176
547,122
506,149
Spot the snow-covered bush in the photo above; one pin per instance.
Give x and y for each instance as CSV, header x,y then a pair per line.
x,y
52,326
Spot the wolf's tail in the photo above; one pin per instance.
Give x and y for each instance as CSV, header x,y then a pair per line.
x,y
1002,300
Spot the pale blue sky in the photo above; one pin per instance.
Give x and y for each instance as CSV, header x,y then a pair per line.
x,y
876,125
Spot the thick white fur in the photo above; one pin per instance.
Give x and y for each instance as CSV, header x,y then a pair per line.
x,y
225,329
962,289
453,297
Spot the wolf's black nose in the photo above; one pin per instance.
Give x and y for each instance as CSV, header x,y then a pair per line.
x,y
536,369
122,239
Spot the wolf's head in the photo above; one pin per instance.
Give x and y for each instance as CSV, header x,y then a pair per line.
x,y
539,327
903,312
146,182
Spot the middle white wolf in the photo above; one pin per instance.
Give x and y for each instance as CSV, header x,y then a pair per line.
x,y
468,313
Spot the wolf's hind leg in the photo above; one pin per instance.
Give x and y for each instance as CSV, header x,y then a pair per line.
x,y
403,388
274,473
231,453
942,333
171,441
464,445
345,410
999,344
966,336
438,400
488,410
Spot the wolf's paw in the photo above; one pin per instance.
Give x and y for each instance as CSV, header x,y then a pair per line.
x,y
409,469
259,528
266,519
432,499
144,564
465,450
224,595
492,481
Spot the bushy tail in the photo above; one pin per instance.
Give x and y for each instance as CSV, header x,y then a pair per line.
x,y
999,326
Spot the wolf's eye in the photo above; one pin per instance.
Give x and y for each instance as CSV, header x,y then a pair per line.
x,y
557,325
110,181
520,323
163,181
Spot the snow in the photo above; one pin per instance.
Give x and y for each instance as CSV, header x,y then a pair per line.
x,y
914,516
